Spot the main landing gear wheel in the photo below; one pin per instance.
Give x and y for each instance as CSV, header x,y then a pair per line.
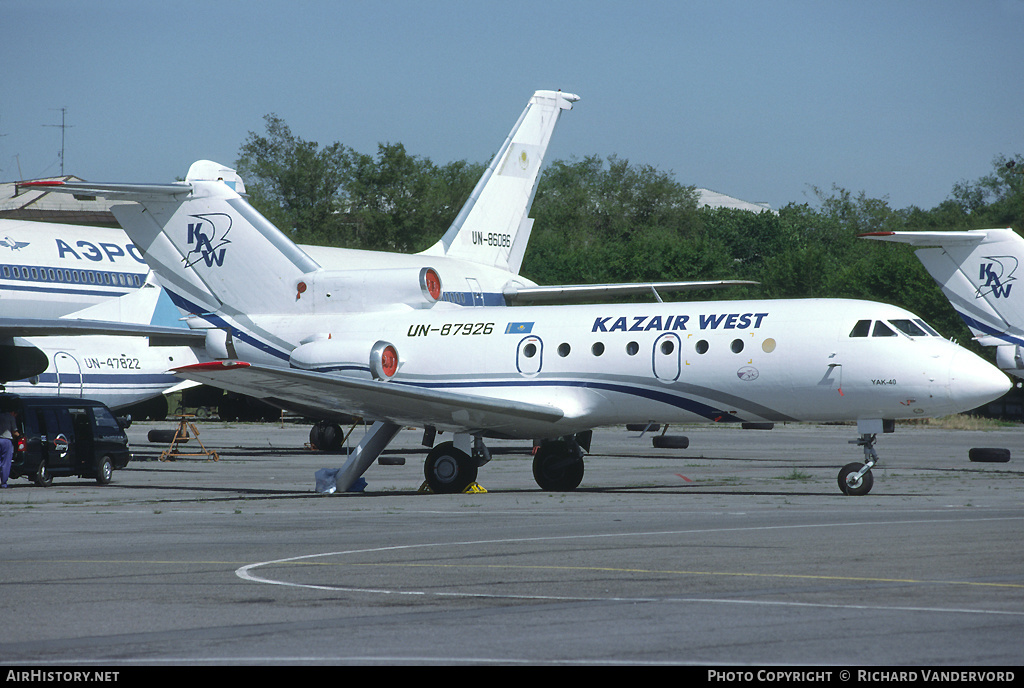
x,y
558,466
850,483
327,436
449,470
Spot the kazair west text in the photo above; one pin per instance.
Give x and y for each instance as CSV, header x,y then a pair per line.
x,y
645,323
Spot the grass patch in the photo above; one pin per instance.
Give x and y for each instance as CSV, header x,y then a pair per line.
x,y
961,421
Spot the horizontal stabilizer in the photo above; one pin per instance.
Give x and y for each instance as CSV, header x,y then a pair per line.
x,y
128,192
393,402
571,293
969,238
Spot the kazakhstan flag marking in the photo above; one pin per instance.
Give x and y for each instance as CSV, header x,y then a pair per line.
x,y
519,328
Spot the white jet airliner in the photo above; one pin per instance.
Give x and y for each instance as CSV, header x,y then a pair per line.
x,y
76,314
375,335
48,269
977,270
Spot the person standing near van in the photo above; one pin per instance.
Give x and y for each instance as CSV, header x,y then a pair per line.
x,y
8,433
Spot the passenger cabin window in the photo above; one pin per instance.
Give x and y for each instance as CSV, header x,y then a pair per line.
x,y
861,329
882,330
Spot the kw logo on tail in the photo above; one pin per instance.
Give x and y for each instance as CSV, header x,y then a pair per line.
x,y
209,239
995,276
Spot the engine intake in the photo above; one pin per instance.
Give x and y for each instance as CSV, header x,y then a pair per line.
x,y
380,359
332,291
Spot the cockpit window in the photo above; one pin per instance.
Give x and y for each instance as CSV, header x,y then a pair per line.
x,y
908,327
882,330
861,329
912,328
927,328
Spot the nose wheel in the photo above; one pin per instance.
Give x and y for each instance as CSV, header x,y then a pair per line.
x,y
855,479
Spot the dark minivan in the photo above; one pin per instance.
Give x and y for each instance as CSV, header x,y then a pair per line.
x,y
63,436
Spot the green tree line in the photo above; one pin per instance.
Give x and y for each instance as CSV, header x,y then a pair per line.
x,y
604,219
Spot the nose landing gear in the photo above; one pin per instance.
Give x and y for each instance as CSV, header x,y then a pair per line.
x,y
855,479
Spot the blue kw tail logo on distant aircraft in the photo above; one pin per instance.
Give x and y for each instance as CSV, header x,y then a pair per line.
x,y
209,235
995,276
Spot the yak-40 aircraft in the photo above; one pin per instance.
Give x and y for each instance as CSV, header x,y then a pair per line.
x,y
430,340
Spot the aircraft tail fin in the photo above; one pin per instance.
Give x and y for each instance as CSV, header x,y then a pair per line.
x,y
978,271
234,259
493,228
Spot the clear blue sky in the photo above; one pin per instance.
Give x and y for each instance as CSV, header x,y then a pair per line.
x,y
759,100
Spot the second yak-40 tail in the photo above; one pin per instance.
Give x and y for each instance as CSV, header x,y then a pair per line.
x,y
978,270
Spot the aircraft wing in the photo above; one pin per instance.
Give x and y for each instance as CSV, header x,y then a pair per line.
x,y
515,294
402,404
56,327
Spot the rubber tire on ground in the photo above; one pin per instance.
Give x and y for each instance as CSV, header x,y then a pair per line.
x,y
989,455
862,488
160,436
758,426
104,470
671,441
449,470
42,478
565,474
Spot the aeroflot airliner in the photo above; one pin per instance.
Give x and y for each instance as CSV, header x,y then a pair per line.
x,y
76,316
48,269
373,334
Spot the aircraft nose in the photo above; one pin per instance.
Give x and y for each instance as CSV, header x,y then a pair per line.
x,y
973,381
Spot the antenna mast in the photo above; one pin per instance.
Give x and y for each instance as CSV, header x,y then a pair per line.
x,y
63,127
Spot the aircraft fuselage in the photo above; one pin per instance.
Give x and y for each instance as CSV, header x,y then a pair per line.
x,y
720,361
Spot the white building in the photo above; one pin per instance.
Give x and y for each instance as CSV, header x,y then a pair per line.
x,y
713,199
19,202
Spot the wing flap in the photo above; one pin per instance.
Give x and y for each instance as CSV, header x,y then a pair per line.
x,y
390,401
